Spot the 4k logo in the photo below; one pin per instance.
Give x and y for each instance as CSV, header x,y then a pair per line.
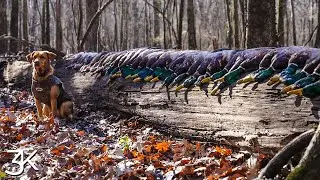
x,y
21,162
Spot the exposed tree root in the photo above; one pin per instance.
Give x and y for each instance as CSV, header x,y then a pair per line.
x,y
283,156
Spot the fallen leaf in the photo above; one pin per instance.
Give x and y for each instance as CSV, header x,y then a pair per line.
x,y
81,133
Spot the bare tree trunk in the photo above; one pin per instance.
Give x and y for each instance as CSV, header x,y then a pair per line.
x,y
47,22
317,42
146,24
4,26
294,34
34,22
43,23
229,31
14,25
236,24
80,21
165,10
191,26
25,22
124,25
59,44
92,8
281,17
92,22
156,21
135,25
115,28
261,23
180,22
243,8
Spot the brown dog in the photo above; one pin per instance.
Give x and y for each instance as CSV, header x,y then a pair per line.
x,y
49,94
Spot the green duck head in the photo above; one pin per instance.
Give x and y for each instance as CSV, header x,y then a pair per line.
x,y
264,75
290,79
232,77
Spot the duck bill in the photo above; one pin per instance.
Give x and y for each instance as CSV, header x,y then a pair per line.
x,y
297,92
114,76
246,80
275,79
156,79
134,76
206,80
148,78
214,91
219,80
128,77
287,89
179,88
138,79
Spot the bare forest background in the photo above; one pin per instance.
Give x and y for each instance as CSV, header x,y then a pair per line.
x,y
96,25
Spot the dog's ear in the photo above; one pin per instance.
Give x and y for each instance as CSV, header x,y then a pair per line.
x,y
30,57
51,55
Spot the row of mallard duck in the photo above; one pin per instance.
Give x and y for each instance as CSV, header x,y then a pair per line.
x,y
297,67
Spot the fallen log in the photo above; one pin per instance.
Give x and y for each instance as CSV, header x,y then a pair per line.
x,y
259,119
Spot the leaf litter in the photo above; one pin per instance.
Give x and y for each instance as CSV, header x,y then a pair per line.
x,y
106,146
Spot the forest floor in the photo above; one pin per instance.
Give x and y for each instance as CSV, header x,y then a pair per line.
x,y
99,145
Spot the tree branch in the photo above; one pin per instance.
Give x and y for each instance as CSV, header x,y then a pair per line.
x,y
92,21
163,15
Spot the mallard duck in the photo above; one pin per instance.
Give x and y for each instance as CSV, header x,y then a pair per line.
x,y
96,59
213,62
147,70
138,63
170,62
180,66
235,57
250,62
264,64
297,62
198,59
160,65
315,76
279,63
311,91
222,59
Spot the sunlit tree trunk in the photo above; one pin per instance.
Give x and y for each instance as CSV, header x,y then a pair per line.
x,y
261,23
156,25
14,25
47,21
180,22
317,42
135,25
4,26
191,26
236,24
59,44
91,9
294,34
281,17
229,31
25,21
